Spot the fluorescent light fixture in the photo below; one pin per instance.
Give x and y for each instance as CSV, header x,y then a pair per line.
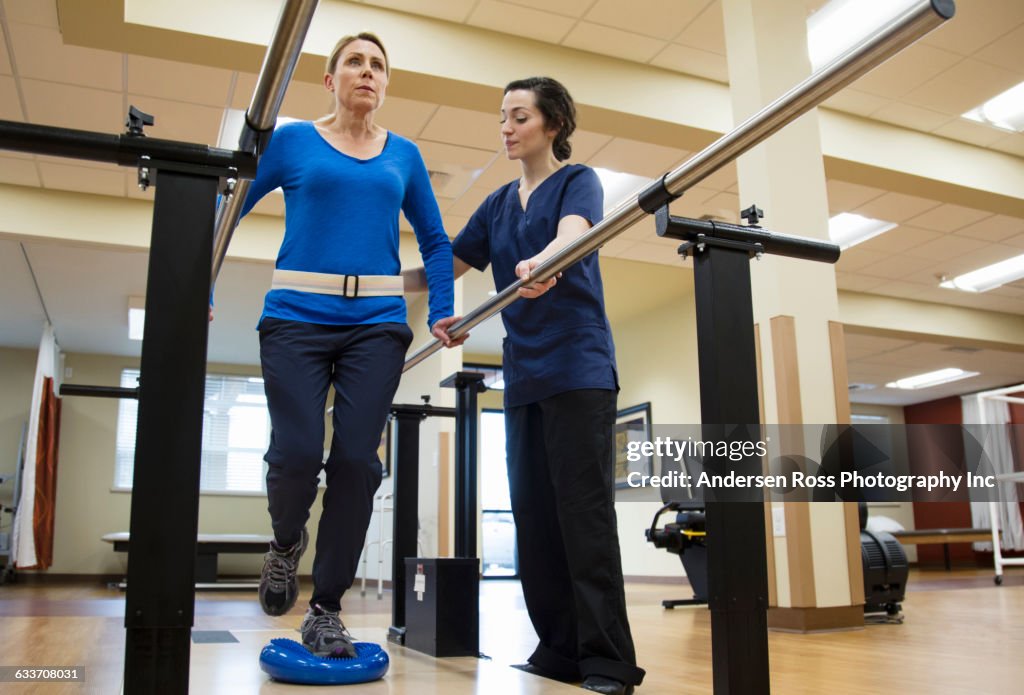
x,y
618,185
841,24
989,277
848,229
1004,111
876,419
929,379
136,317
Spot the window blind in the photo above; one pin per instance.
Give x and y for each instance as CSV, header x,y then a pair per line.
x,y
236,433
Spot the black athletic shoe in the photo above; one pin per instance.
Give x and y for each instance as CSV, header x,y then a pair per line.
x,y
325,635
608,686
535,670
279,587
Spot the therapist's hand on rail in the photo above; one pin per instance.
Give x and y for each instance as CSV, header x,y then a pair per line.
x,y
440,331
523,270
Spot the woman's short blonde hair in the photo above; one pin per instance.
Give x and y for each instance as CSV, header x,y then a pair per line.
x,y
332,59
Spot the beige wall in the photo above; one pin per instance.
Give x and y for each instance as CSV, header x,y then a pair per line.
x,y
656,350
88,508
16,370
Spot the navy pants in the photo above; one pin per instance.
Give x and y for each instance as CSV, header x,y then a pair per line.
x,y
560,454
301,361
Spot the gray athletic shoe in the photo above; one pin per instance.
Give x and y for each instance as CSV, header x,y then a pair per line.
x,y
279,587
325,635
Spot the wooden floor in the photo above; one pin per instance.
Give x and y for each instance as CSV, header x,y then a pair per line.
x,y
962,635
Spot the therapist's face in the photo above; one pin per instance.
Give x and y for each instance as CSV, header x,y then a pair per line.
x,y
523,130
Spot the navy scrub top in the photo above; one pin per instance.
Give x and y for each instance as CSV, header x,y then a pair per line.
x,y
560,341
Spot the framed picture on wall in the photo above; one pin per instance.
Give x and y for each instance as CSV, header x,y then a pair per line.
x,y
632,425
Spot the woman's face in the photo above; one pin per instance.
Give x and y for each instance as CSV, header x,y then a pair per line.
x,y
523,130
360,77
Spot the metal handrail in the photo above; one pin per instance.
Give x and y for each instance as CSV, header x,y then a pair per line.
x,y
893,37
275,74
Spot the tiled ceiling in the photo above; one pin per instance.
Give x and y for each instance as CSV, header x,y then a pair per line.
x,y
925,88
874,361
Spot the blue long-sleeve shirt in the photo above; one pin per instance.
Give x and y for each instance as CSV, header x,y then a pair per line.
x,y
341,217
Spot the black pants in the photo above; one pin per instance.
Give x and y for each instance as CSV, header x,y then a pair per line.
x,y
561,480
300,363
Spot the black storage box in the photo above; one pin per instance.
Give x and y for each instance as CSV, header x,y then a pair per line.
x,y
442,606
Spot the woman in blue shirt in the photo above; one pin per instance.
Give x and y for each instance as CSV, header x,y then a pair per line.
x,y
560,391
335,315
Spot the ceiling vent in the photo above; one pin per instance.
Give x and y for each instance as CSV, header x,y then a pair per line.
x,y
439,179
961,349
860,387
451,180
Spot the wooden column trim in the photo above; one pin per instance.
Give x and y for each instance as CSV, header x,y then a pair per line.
x,y
787,370
790,412
800,553
760,371
853,553
840,377
769,541
816,619
769,531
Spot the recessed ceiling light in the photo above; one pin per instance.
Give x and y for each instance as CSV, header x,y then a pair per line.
x,y
848,229
841,24
928,379
1004,111
989,277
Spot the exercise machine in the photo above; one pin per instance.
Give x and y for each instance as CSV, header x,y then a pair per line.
x,y
687,538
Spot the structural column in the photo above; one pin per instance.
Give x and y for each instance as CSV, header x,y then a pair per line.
x,y
814,571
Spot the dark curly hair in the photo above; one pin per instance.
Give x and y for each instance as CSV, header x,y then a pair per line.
x,y
557,107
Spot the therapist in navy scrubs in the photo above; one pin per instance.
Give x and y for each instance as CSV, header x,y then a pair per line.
x,y
560,391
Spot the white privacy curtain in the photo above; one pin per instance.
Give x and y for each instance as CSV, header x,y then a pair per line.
x,y
23,542
986,419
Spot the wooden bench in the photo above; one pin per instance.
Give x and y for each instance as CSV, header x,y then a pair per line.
x,y
208,547
945,536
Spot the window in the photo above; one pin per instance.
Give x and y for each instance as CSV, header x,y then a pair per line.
x,y
236,432
496,524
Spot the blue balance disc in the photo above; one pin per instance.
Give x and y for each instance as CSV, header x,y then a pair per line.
x,y
287,660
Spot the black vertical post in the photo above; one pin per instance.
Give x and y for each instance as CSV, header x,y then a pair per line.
x,y
165,487
737,561
467,385
405,501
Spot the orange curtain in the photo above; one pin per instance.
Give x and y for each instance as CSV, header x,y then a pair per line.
x,y
46,475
